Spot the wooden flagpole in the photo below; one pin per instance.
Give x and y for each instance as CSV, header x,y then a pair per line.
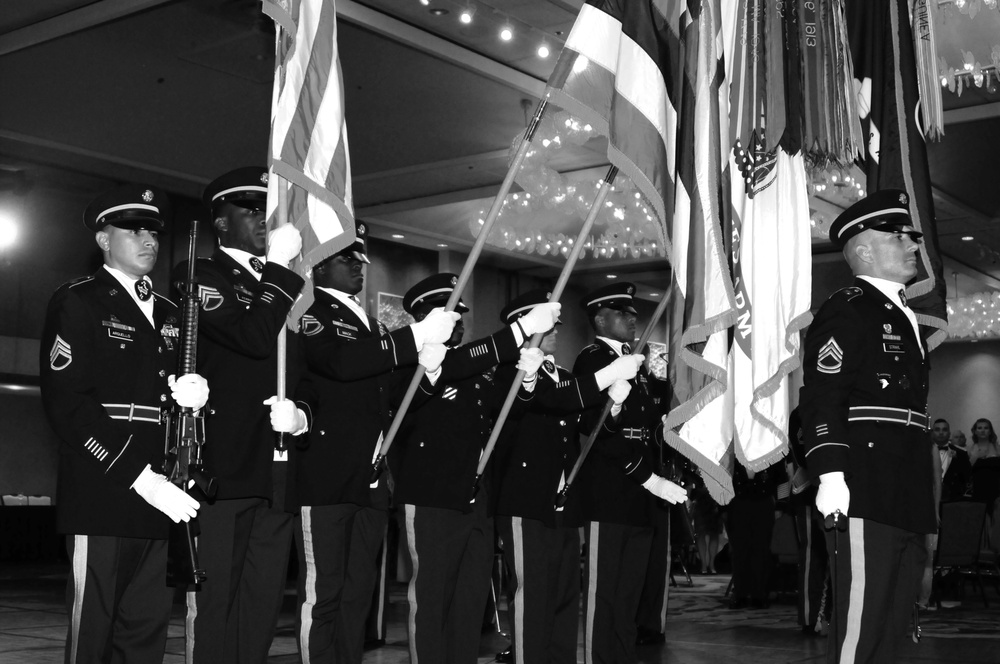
x,y
585,450
536,339
463,279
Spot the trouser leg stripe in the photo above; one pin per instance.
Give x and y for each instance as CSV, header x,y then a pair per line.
x,y
411,595
306,610
518,543
79,584
594,534
857,593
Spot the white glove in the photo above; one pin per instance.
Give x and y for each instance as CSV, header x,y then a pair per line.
x,y
619,391
286,417
540,319
283,244
665,489
156,490
531,359
435,328
188,391
624,368
431,356
833,494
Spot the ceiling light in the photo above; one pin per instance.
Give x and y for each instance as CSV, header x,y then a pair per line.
x,y
543,51
506,34
439,11
465,17
654,295
8,231
611,276
967,238
397,236
425,2
442,245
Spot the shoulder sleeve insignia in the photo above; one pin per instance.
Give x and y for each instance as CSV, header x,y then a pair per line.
x,y
311,325
61,354
831,357
211,298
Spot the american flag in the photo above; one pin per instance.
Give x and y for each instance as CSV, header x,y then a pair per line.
x,y
309,155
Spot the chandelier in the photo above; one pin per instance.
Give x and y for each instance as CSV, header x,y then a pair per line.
x,y
542,217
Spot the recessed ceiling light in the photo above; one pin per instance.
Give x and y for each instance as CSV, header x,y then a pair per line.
x,y
506,34
465,17
425,2
442,245
654,295
397,236
967,238
439,11
543,51
611,276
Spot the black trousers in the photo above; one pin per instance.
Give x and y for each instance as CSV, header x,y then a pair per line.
x,y
338,551
451,553
616,565
243,547
877,580
813,567
750,525
652,613
544,587
118,600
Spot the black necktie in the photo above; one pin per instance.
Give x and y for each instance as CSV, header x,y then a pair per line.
x,y
626,349
256,264
142,290
902,296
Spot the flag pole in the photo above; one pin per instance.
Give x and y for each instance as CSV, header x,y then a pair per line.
x,y
463,279
585,450
282,218
536,339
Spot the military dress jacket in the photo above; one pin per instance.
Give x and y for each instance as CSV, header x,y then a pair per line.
x,y
435,456
104,371
238,326
622,457
864,378
348,392
536,451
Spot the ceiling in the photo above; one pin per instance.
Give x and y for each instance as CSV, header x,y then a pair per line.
x,y
176,92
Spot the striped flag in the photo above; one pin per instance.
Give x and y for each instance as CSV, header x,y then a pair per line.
x,y
704,308
309,156
767,231
896,157
648,75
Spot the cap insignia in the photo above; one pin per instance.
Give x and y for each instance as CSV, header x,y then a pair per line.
x,y
630,290
454,280
147,196
263,177
362,230
902,199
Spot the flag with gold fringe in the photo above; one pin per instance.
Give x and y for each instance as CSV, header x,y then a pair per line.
x,y
309,156
885,72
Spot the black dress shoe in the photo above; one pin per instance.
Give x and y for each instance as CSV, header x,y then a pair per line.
x,y
505,656
648,637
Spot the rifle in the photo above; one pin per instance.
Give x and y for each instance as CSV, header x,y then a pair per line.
x,y
185,436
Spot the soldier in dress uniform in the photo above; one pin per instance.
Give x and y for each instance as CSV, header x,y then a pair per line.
x,y
109,350
864,416
350,359
618,484
434,462
246,293
534,455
